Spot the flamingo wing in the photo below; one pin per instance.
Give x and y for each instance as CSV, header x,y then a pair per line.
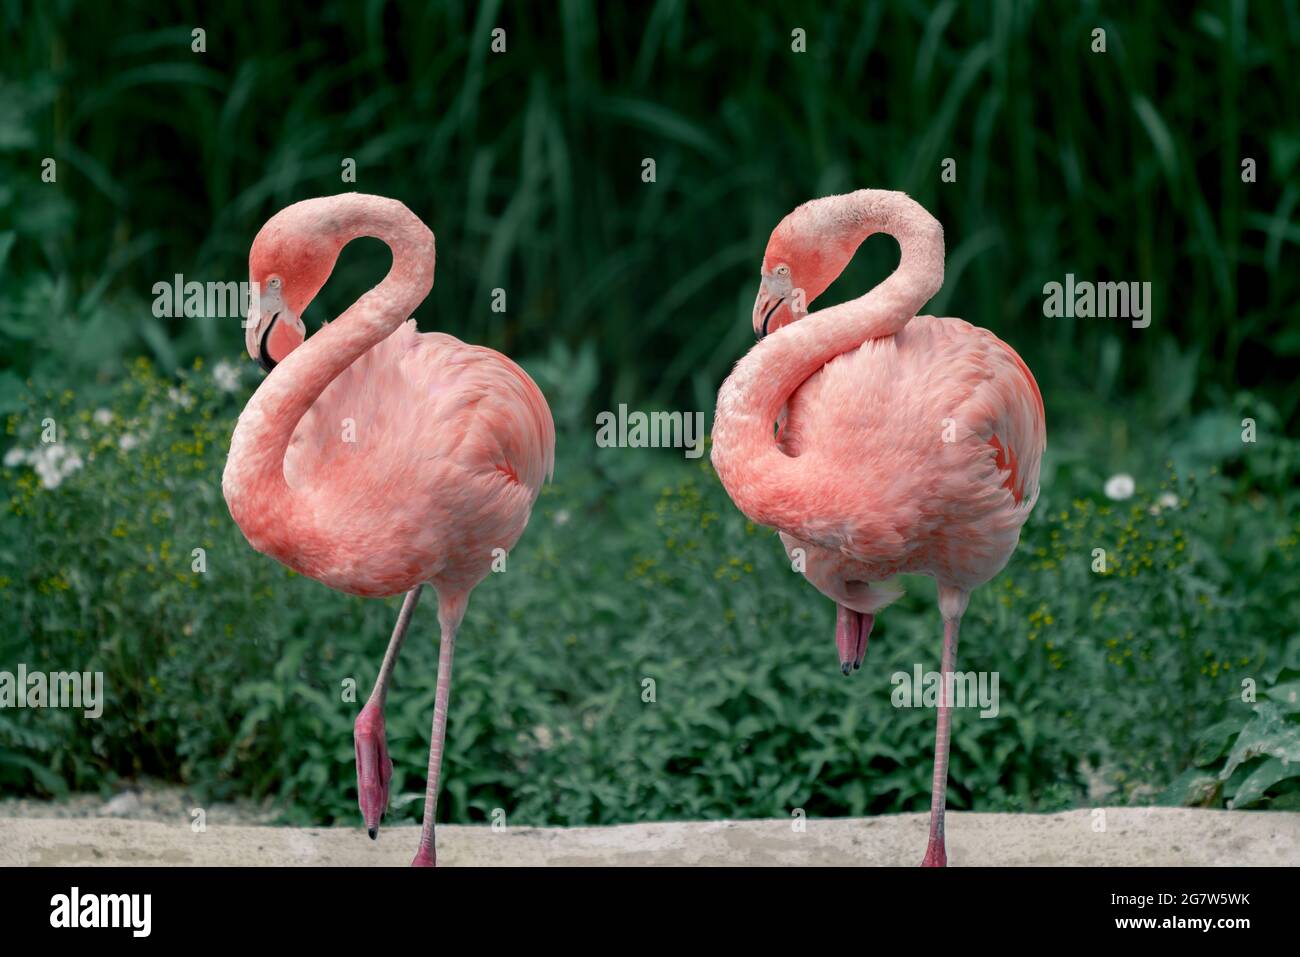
x,y
419,403
504,422
1017,430
934,439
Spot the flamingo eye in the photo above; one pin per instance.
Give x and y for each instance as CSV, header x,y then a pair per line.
x,y
274,282
783,270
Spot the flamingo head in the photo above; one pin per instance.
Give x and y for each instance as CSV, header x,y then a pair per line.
x,y
806,252
273,330
292,257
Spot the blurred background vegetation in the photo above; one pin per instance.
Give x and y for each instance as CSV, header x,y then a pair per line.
x,y
1124,165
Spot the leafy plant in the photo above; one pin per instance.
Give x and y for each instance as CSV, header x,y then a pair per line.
x,y
636,567
1248,762
648,655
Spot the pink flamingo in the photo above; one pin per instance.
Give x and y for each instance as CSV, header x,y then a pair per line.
x,y
375,459
906,444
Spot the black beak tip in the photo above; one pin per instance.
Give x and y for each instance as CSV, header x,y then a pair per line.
x,y
373,831
768,318
845,669
263,357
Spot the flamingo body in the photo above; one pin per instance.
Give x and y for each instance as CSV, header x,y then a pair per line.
x,y
376,459
905,499
451,445
906,443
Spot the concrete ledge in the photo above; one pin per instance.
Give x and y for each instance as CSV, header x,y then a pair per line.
x,y
1133,836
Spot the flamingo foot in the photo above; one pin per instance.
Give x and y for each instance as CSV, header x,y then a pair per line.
x,y
425,857
935,855
852,629
374,767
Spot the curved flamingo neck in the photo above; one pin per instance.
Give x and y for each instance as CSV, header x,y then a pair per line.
x,y
276,520
766,484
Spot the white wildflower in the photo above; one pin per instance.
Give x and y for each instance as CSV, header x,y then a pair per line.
x,y
53,463
128,441
15,456
180,397
1168,500
226,375
1120,487
103,417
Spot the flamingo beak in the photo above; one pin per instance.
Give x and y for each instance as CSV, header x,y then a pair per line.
x,y
261,308
852,629
272,330
765,307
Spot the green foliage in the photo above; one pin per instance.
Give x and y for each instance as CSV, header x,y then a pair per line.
x,y
1124,165
635,569
1251,759
1118,166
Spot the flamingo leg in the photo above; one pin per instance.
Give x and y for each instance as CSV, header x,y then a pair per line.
x,y
936,855
374,767
450,613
